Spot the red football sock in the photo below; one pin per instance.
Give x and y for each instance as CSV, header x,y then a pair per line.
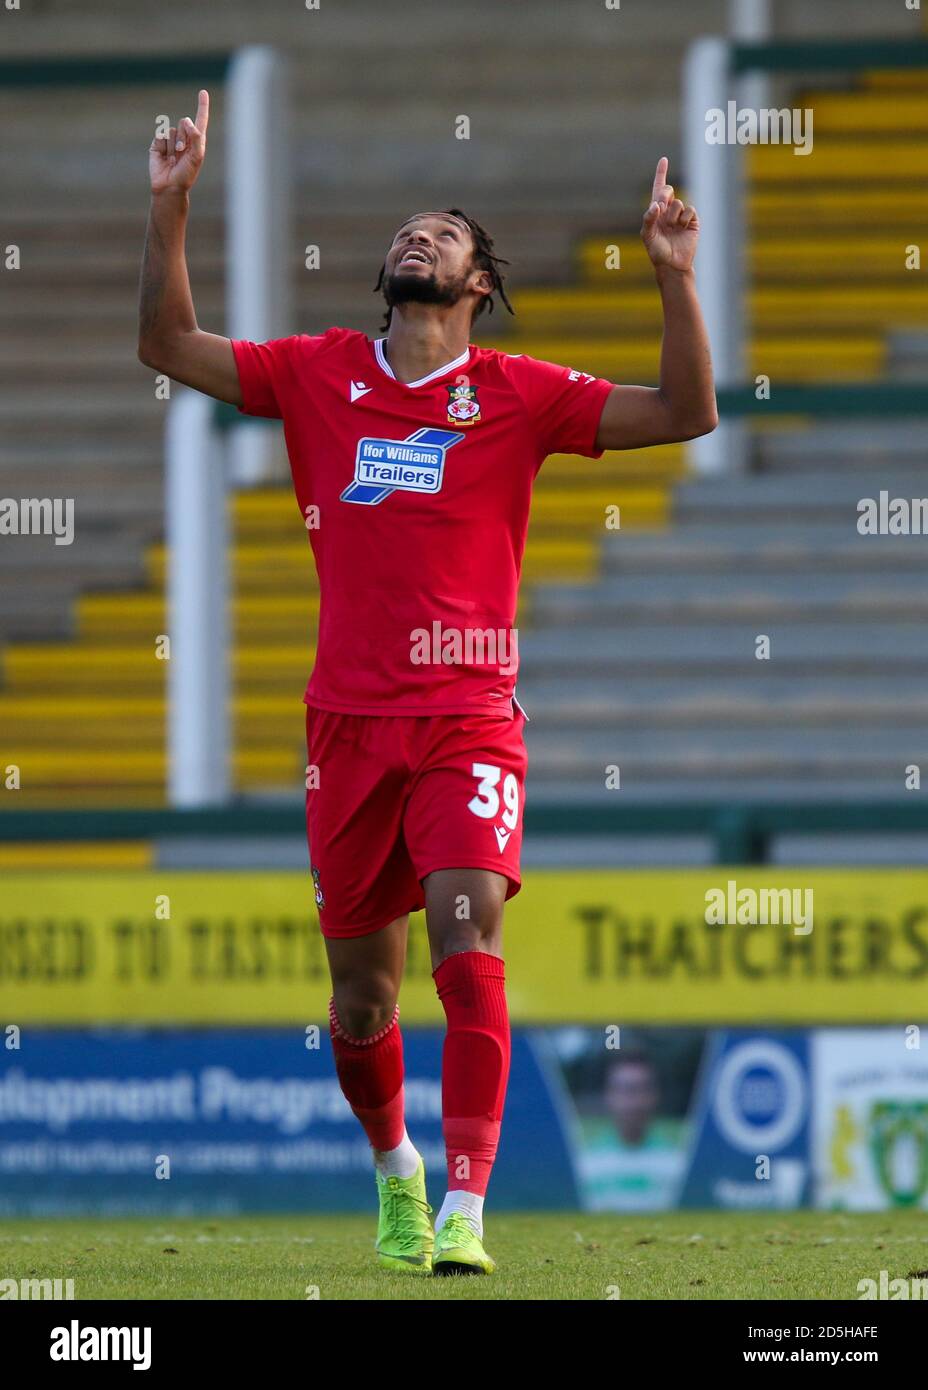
x,y
370,1072
475,1065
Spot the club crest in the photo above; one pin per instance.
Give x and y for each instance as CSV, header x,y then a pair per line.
x,y
320,899
463,406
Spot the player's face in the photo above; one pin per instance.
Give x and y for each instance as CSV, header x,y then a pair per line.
x,y
430,261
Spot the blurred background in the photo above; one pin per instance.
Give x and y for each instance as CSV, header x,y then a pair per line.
x,y
162,982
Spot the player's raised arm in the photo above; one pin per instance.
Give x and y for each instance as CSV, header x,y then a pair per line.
x,y
169,339
684,405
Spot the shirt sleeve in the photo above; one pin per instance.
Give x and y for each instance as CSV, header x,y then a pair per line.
x,y
564,406
267,371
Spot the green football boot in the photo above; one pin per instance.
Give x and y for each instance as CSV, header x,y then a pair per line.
x,y
404,1231
459,1250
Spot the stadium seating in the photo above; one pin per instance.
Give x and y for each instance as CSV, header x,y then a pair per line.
x,y
638,644
670,689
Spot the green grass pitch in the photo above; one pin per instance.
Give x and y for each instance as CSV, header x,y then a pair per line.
x,y
562,1255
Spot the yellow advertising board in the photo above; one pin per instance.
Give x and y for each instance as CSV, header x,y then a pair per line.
x,y
716,945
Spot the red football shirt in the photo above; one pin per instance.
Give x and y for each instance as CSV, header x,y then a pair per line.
x,y
423,492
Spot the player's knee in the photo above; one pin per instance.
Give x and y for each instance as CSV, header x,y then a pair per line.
x,y
464,911
480,932
365,1006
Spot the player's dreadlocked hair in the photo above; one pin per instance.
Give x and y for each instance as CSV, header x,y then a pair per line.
x,y
485,258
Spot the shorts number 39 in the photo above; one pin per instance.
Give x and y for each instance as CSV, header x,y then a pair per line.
x,y
485,803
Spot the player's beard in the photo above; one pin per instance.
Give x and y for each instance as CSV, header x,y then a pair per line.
x,y
422,289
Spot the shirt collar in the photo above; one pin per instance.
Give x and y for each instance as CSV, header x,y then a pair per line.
x,y
384,365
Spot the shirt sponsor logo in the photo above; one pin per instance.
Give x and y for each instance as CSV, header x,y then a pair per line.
x,y
414,464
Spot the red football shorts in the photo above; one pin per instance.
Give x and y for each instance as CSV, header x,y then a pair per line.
x,y
392,798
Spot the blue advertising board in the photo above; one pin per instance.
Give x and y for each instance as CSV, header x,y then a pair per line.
x,y
750,1146
224,1121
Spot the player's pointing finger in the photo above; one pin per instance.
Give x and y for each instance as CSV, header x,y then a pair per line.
x,y
660,177
203,111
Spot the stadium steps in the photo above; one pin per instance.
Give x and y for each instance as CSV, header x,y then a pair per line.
x,y
116,773
678,650
77,854
826,266
271,516
745,699
816,357
671,688
834,209
84,743
849,255
794,598
88,715
830,495
622,314
832,445
289,566
740,550
656,754
89,721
